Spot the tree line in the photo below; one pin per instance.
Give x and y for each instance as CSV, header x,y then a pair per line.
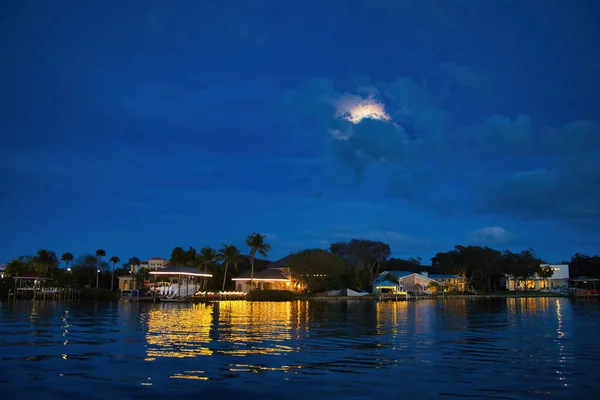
x,y
92,268
354,264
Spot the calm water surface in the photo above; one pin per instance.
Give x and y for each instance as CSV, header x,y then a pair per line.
x,y
501,349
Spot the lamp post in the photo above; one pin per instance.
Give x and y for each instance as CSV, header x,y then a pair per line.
x,y
69,282
97,277
133,272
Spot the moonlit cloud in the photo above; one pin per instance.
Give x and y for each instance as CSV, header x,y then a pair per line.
x,y
354,109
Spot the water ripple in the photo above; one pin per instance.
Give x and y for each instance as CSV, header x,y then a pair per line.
x,y
496,349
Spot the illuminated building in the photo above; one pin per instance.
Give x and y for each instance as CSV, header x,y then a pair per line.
x,y
277,276
558,279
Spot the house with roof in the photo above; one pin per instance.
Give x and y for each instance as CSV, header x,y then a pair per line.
x,y
559,279
152,264
448,280
412,282
275,276
155,263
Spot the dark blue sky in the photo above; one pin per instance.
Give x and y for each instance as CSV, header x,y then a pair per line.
x,y
137,126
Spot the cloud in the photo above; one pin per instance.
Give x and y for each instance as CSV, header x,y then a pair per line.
x,y
399,242
499,136
400,143
354,108
564,185
465,76
490,235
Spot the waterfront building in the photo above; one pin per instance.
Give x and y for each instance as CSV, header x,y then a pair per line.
x,y
276,276
152,264
559,279
415,282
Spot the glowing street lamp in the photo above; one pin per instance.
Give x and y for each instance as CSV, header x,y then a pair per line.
x,y
97,276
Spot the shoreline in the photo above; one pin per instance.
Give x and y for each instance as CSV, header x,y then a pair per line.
x,y
387,298
454,296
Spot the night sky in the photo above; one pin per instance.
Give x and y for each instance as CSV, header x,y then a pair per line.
x,y
137,126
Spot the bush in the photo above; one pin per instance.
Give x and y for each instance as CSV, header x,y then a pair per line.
x,y
270,295
97,294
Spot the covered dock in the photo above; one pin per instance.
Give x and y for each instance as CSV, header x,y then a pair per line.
x,y
583,286
38,287
177,283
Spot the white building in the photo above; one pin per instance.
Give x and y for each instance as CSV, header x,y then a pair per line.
x,y
557,280
155,263
560,275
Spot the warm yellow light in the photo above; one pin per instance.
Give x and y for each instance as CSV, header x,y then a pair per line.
x,y
182,274
261,280
354,109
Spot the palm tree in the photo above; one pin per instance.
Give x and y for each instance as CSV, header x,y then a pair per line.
x,y
133,261
46,259
228,255
257,244
207,257
114,260
99,254
67,258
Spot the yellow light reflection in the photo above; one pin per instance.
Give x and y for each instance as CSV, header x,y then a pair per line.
x,y
185,330
194,377
178,332
253,327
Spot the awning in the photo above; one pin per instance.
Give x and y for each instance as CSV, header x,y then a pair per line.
x,y
180,271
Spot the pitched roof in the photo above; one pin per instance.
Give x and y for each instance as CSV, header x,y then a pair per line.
x,y
174,271
583,278
157,258
443,276
266,274
385,282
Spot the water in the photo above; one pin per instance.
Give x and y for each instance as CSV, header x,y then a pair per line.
x,y
500,349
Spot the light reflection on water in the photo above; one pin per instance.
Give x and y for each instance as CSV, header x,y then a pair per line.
x,y
498,348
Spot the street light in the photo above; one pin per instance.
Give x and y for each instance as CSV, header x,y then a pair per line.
x,y
97,276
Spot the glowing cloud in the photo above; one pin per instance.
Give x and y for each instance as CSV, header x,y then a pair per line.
x,y
354,109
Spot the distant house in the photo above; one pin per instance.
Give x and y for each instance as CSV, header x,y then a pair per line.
x,y
155,263
412,282
2,268
558,279
448,281
152,264
383,285
276,276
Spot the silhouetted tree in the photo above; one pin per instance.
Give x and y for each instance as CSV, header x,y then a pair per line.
x,y
256,243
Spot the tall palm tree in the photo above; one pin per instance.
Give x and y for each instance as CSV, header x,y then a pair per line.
x,y
99,254
67,258
114,260
133,261
207,257
256,243
228,255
